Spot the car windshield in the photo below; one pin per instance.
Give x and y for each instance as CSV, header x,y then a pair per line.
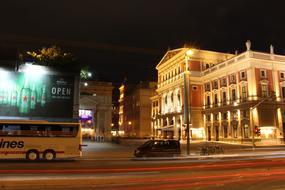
x,y
146,144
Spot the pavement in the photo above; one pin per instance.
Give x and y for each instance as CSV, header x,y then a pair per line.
x,y
125,150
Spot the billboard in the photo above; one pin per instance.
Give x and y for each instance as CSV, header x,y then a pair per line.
x,y
24,94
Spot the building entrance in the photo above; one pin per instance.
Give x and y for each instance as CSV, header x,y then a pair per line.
x,y
217,133
209,133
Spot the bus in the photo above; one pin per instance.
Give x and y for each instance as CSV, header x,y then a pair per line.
x,y
34,140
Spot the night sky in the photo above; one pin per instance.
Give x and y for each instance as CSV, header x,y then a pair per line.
x,y
127,38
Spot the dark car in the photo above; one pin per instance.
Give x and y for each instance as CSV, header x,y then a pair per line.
x,y
158,148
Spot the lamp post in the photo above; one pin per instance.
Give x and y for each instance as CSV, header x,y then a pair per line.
x,y
252,128
271,96
187,98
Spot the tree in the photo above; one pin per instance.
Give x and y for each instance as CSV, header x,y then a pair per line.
x,y
52,56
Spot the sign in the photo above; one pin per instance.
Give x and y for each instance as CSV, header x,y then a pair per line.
x,y
85,114
23,94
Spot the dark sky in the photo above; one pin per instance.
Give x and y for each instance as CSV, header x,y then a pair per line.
x,y
127,38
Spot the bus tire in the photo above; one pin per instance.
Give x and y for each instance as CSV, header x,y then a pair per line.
x,y
32,155
49,155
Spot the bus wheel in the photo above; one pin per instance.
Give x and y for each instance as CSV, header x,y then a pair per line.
x,y
32,155
49,155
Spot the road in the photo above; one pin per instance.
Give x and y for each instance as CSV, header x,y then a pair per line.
x,y
123,172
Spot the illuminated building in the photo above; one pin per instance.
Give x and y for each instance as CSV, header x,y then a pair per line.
x,y
96,108
223,89
134,109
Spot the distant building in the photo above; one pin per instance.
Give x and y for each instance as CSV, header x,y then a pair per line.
x,y
135,109
115,117
232,97
96,107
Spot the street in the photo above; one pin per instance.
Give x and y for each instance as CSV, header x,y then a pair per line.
x,y
111,166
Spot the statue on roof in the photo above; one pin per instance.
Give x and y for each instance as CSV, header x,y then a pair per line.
x,y
248,45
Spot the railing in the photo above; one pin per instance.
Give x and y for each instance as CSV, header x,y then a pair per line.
x,y
245,55
225,63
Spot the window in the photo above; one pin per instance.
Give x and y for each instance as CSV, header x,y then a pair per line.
x,y
225,131
283,92
216,98
216,117
208,101
264,90
208,118
232,78
165,99
178,96
243,92
282,76
246,131
195,88
233,94
171,97
263,73
242,75
224,82
225,116
207,87
235,131
244,113
38,130
215,84
224,97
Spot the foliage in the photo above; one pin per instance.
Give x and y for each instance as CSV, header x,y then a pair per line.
x,y
51,56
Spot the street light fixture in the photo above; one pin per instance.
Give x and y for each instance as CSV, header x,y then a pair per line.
x,y
187,98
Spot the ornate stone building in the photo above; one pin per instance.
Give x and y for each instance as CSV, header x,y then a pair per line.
x,y
96,97
231,96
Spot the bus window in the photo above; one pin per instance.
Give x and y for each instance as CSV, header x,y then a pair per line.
x,y
11,130
38,130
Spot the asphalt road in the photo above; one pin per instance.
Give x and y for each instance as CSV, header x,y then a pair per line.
x,y
106,166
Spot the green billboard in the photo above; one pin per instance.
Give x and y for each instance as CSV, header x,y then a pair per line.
x,y
24,94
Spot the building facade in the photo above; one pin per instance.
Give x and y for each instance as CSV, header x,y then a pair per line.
x,y
96,99
135,109
232,97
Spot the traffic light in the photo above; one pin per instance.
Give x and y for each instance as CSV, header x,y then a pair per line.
x,y
257,130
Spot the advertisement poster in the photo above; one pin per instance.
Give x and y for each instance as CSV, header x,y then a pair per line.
x,y
32,95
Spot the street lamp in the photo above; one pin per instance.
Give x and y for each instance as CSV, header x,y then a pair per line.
x,y
187,98
252,128
271,96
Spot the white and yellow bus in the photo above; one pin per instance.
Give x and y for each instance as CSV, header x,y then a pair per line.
x,y
33,140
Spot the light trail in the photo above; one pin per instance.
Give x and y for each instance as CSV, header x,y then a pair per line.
x,y
143,169
197,181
